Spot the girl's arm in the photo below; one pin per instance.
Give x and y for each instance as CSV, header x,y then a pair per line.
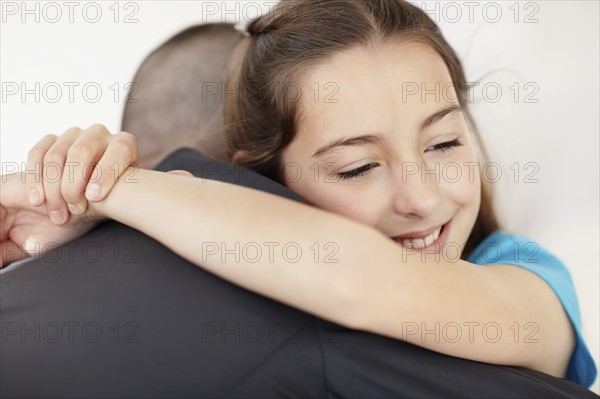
x,y
347,272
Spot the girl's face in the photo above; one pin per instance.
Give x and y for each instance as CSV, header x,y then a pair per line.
x,y
382,140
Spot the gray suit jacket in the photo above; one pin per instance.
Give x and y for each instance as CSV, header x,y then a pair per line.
x,y
115,314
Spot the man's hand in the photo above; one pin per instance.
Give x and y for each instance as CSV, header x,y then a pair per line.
x,y
26,230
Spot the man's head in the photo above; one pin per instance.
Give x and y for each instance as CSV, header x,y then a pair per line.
x,y
174,101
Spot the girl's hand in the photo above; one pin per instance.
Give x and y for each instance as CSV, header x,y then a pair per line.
x,y
66,172
25,230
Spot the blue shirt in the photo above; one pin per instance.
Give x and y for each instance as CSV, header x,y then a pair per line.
x,y
512,249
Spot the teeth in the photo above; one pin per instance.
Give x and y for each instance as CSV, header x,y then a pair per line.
x,y
419,243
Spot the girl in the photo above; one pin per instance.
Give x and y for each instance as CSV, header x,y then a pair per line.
x,y
360,107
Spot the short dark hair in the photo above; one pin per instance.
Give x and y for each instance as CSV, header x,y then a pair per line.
x,y
167,107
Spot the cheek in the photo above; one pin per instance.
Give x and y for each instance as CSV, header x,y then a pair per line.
x,y
361,204
356,207
461,181
464,187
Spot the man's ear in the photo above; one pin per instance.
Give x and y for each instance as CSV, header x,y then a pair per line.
x,y
239,156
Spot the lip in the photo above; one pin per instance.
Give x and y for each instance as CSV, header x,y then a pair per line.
x,y
419,234
435,246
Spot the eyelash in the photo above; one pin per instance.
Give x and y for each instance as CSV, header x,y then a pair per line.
x,y
447,146
366,169
358,172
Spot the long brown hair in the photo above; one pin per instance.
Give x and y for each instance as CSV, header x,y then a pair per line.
x,y
260,118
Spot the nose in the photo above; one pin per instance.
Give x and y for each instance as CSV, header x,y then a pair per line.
x,y
417,192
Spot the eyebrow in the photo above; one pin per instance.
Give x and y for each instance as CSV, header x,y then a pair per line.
x,y
352,141
373,139
440,115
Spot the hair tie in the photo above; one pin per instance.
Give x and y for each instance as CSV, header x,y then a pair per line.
x,y
242,28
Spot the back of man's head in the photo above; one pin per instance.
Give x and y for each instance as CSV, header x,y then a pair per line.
x,y
177,97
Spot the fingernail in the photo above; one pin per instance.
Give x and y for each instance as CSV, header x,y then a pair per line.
x,y
74,209
93,191
34,196
56,217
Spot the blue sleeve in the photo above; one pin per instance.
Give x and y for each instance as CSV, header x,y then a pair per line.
x,y
511,249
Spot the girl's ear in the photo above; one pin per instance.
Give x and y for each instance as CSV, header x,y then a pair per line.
x,y
239,156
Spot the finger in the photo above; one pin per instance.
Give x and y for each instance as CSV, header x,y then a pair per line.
x,y
82,158
4,223
181,173
11,252
34,169
120,154
13,195
54,165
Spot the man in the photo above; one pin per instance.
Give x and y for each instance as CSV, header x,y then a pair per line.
x,y
116,314
176,96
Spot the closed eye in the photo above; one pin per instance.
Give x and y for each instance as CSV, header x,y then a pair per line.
x,y
445,147
358,172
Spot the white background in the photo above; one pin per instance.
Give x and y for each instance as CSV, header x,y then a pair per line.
x,y
551,45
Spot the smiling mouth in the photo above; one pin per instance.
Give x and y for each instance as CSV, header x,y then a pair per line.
x,y
433,239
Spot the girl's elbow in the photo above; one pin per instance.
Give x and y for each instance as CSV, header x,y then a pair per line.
x,y
552,357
